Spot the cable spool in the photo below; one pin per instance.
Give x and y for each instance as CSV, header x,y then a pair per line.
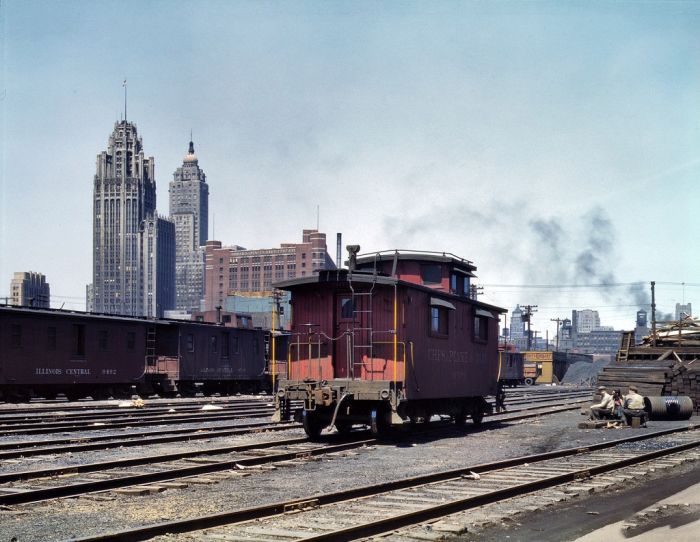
x,y
669,407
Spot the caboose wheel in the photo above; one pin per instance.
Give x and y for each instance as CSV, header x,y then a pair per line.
x,y
460,419
477,416
312,426
378,424
343,426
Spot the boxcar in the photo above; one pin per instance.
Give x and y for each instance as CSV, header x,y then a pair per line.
x,y
44,352
212,357
394,338
511,371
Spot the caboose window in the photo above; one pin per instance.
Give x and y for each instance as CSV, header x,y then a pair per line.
x,y
213,347
190,342
131,340
256,346
235,345
346,308
431,274
481,328
438,320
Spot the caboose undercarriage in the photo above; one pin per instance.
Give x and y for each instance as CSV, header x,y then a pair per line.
x,y
379,404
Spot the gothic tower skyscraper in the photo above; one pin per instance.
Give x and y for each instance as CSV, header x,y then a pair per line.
x,y
124,251
189,210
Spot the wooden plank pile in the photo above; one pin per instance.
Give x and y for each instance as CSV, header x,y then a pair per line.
x,y
669,365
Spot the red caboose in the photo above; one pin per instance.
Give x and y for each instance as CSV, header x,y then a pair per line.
x,y
395,337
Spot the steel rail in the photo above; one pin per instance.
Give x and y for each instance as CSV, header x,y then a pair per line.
x,y
35,495
92,486
120,412
411,518
177,435
138,416
130,422
34,448
316,500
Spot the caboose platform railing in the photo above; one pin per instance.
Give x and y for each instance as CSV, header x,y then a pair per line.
x,y
312,360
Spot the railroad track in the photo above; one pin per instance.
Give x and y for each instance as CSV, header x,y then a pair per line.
x,y
164,470
68,409
13,450
383,508
43,427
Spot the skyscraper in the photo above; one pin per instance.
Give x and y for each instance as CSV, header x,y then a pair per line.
x,y
189,210
124,202
30,289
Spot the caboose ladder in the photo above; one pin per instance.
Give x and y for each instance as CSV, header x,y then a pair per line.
x,y
361,326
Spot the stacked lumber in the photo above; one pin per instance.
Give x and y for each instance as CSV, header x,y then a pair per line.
x,y
679,334
669,374
667,363
649,376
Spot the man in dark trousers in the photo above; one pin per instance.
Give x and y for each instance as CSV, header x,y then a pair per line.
x,y
500,397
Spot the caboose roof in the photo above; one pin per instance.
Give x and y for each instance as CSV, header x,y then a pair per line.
x,y
366,276
460,264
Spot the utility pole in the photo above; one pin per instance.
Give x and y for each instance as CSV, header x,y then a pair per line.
x,y
557,320
653,314
527,316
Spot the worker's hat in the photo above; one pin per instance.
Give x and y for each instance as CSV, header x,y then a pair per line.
x,y
601,388
633,388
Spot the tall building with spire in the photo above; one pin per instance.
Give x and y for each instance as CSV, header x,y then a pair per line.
x,y
125,229
189,210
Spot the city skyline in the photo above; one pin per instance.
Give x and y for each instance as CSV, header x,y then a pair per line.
x,y
553,145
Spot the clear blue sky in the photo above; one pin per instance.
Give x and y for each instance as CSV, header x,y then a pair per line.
x,y
552,143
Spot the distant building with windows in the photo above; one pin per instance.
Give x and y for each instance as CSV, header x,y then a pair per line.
x,y
30,289
641,328
131,244
236,271
585,321
517,326
189,210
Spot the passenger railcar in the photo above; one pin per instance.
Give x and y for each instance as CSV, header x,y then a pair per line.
x,y
46,352
395,337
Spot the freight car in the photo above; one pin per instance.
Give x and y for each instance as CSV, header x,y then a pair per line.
x,y
511,369
46,352
394,338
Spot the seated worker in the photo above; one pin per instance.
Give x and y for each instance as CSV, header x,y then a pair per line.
x,y
617,402
604,409
634,406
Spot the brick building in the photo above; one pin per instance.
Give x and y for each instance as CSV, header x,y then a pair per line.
x,y
234,270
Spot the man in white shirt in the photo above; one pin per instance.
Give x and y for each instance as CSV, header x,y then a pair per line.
x,y
634,406
605,408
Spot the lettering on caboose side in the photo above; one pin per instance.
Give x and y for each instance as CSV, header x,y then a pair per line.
x,y
439,354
